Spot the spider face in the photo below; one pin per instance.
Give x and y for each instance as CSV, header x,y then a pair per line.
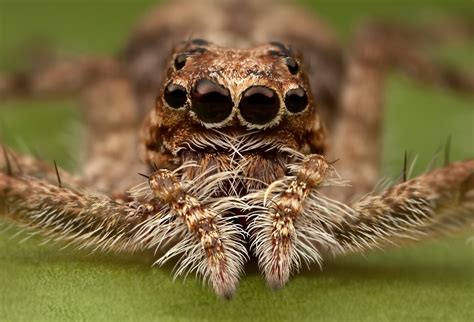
x,y
215,87
258,100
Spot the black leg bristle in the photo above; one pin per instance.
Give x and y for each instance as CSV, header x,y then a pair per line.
x,y
405,166
60,185
144,175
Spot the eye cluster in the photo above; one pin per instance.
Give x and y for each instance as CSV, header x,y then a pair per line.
x,y
212,103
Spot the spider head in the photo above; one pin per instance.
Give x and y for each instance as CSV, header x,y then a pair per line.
x,y
257,94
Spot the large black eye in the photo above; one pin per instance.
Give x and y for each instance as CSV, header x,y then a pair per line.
x,y
175,95
259,105
211,101
296,100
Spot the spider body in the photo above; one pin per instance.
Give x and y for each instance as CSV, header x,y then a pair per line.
x,y
231,130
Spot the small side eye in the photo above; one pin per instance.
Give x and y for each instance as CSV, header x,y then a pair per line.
x,y
296,100
180,60
292,65
175,95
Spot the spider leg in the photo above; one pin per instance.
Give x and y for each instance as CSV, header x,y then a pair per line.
x,y
283,232
27,165
113,120
294,222
109,106
376,49
208,242
78,217
406,48
193,228
112,117
57,77
435,203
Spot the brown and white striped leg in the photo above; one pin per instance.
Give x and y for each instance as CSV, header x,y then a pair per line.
x,y
76,217
208,240
285,228
435,203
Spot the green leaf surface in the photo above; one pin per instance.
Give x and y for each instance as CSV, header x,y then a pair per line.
x,y
430,282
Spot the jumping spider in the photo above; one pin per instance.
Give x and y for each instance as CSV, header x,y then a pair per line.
x,y
235,150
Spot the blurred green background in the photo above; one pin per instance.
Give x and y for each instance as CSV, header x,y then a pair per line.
x,y
432,281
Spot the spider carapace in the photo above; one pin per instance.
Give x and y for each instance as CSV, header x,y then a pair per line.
x,y
233,130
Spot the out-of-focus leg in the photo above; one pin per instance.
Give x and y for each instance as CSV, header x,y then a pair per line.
x,y
58,77
376,49
109,107
26,165
113,121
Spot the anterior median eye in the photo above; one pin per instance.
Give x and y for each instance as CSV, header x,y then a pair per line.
x,y
259,105
175,95
211,101
296,100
